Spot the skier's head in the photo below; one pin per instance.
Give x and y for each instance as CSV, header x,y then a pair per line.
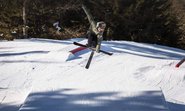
x,y
100,26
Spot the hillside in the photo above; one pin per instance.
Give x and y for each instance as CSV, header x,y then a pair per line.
x,y
35,76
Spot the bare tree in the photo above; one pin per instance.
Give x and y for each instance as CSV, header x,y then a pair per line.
x,y
24,18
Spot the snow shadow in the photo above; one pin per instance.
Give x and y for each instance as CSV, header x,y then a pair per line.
x,y
30,61
23,53
9,107
78,55
67,100
67,41
176,107
147,50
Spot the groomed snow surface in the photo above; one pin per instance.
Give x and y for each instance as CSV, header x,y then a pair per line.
x,y
35,76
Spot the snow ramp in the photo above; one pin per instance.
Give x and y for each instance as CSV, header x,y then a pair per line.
x,y
75,100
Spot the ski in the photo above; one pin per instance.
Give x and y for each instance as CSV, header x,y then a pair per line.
x,y
82,45
92,53
178,64
89,60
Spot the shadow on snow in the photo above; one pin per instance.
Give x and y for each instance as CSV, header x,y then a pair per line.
x,y
65,100
23,53
151,51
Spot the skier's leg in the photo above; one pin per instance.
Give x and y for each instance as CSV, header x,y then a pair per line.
x,y
90,40
98,46
94,41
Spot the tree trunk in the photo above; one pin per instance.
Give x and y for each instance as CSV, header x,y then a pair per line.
x,y
24,19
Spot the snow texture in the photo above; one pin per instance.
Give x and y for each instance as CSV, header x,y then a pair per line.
x,y
35,76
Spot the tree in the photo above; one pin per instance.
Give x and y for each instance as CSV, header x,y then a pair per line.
x,y
25,3
10,18
151,21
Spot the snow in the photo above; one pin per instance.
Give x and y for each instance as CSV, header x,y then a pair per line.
x,y
35,76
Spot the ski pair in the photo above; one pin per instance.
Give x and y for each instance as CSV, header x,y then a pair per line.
x,y
92,53
82,45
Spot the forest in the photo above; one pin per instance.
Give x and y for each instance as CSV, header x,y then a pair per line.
x,y
148,21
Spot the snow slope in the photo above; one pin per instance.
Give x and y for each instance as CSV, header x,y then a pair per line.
x,y
136,78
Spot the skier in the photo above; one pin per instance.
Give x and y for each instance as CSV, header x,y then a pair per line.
x,y
95,36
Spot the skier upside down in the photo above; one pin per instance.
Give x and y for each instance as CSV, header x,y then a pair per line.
x,y
95,34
